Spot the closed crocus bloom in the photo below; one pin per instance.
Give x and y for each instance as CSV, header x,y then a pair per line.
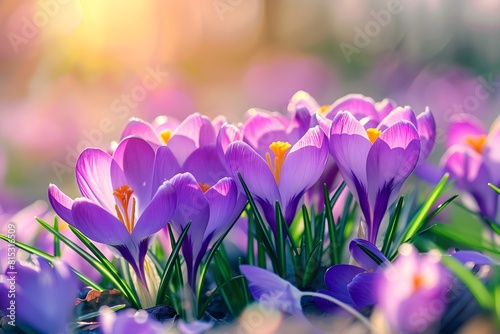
x,y
375,162
44,296
473,160
125,201
411,294
281,174
210,208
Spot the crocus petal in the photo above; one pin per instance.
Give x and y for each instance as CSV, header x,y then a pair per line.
x,y
194,132
303,166
157,214
362,289
266,287
93,169
205,165
302,99
255,172
349,146
137,158
491,154
466,166
98,224
166,167
358,105
427,131
384,107
61,203
461,127
261,129
222,199
142,129
338,277
228,134
363,259
472,257
396,115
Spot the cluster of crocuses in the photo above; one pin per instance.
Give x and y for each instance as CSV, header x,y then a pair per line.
x,y
189,175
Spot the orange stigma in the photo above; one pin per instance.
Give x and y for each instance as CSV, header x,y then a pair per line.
x,y
324,109
373,134
124,194
418,282
203,186
165,135
279,149
476,142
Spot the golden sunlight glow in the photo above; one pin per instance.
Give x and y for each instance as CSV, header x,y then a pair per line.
x,y
373,134
123,194
279,148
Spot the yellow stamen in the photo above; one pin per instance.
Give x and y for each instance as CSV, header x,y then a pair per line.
x,y
373,134
165,135
279,149
476,142
324,109
203,186
123,194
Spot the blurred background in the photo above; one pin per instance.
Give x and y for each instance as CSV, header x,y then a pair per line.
x,y
73,72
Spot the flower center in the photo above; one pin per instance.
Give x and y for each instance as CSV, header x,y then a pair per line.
x,y
324,109
279,148
418,282
373,134
165,135
204,186
476,142
124,194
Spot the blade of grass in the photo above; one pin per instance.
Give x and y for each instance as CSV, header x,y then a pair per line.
x,y
51,259
332,230
57,243
390,235
280,241
492,186
167,272
109,274
307,230
220,288
419,219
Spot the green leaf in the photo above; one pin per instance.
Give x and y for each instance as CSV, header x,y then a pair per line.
x,y
492,186
97,313
312,265
222,286
332,230
465,236
280,241
51,259
307,230
474,284
57,244
418,221
390,235
102,268
169,266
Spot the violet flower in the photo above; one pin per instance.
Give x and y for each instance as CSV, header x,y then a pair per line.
x,y
375,162
210,208
411,294
128,321
125,199
43,296
473,161
282,174
351,284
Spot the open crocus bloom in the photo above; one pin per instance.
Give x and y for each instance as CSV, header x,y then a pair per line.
x,y
125,199
375,162
473,160
411,294
283,174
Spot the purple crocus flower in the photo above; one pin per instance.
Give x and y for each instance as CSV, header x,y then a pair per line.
x,y
353,285
282,174
473,160
128,321
375,162
125,199
39,297
210,208
411,294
